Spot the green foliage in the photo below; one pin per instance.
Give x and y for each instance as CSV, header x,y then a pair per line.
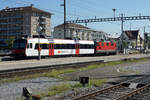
x,y
125,44
57,73
132,44
9,42
101,65
7,80
56,89
96,82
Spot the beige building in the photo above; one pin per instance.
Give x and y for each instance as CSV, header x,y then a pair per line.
x,y
77,31
28,21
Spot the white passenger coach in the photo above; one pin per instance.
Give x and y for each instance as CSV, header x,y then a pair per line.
x,y
51,47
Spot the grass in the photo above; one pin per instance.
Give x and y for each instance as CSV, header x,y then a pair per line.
x,y
57,89
90,67
61,88
128,71
57,73
96,82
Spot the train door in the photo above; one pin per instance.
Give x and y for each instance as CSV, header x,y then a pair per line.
x,y
30,50
77,47
51,49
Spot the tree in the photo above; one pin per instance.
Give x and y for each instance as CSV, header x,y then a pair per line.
x,y
9,43
125,44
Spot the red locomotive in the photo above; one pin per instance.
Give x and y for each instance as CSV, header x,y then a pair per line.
x,y
106,48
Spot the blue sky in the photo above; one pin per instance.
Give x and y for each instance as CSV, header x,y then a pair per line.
x,y
84,9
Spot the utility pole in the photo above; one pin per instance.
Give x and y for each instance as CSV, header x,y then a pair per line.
x,y
130,26
122,48
39,48
64,19
145,40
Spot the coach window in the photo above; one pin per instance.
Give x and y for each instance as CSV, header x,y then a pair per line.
x,y
90,46
44,46
81,46
64,46
37,45
68,46
59,46
86,46
29,45
55,46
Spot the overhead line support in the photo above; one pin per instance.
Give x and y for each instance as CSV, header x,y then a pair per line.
x,y
109,19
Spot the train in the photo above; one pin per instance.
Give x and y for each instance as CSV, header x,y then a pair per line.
x,y
32,47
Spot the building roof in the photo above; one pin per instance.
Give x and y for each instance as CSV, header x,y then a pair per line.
x,y
26,8
70,25
132,34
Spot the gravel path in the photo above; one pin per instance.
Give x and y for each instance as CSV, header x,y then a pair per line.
x,y
12,91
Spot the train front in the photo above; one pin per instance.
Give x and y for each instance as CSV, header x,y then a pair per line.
x,y
19,48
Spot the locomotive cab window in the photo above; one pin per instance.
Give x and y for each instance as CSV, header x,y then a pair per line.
x,y
107,44
112,43
19,44
97,44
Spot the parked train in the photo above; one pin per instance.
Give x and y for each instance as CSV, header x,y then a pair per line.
x,y
31,47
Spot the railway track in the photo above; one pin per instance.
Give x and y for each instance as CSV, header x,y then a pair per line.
x,y
129,90
140,94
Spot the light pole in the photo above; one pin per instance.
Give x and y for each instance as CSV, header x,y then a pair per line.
x,y
122,48
39,48
114,10
64,18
